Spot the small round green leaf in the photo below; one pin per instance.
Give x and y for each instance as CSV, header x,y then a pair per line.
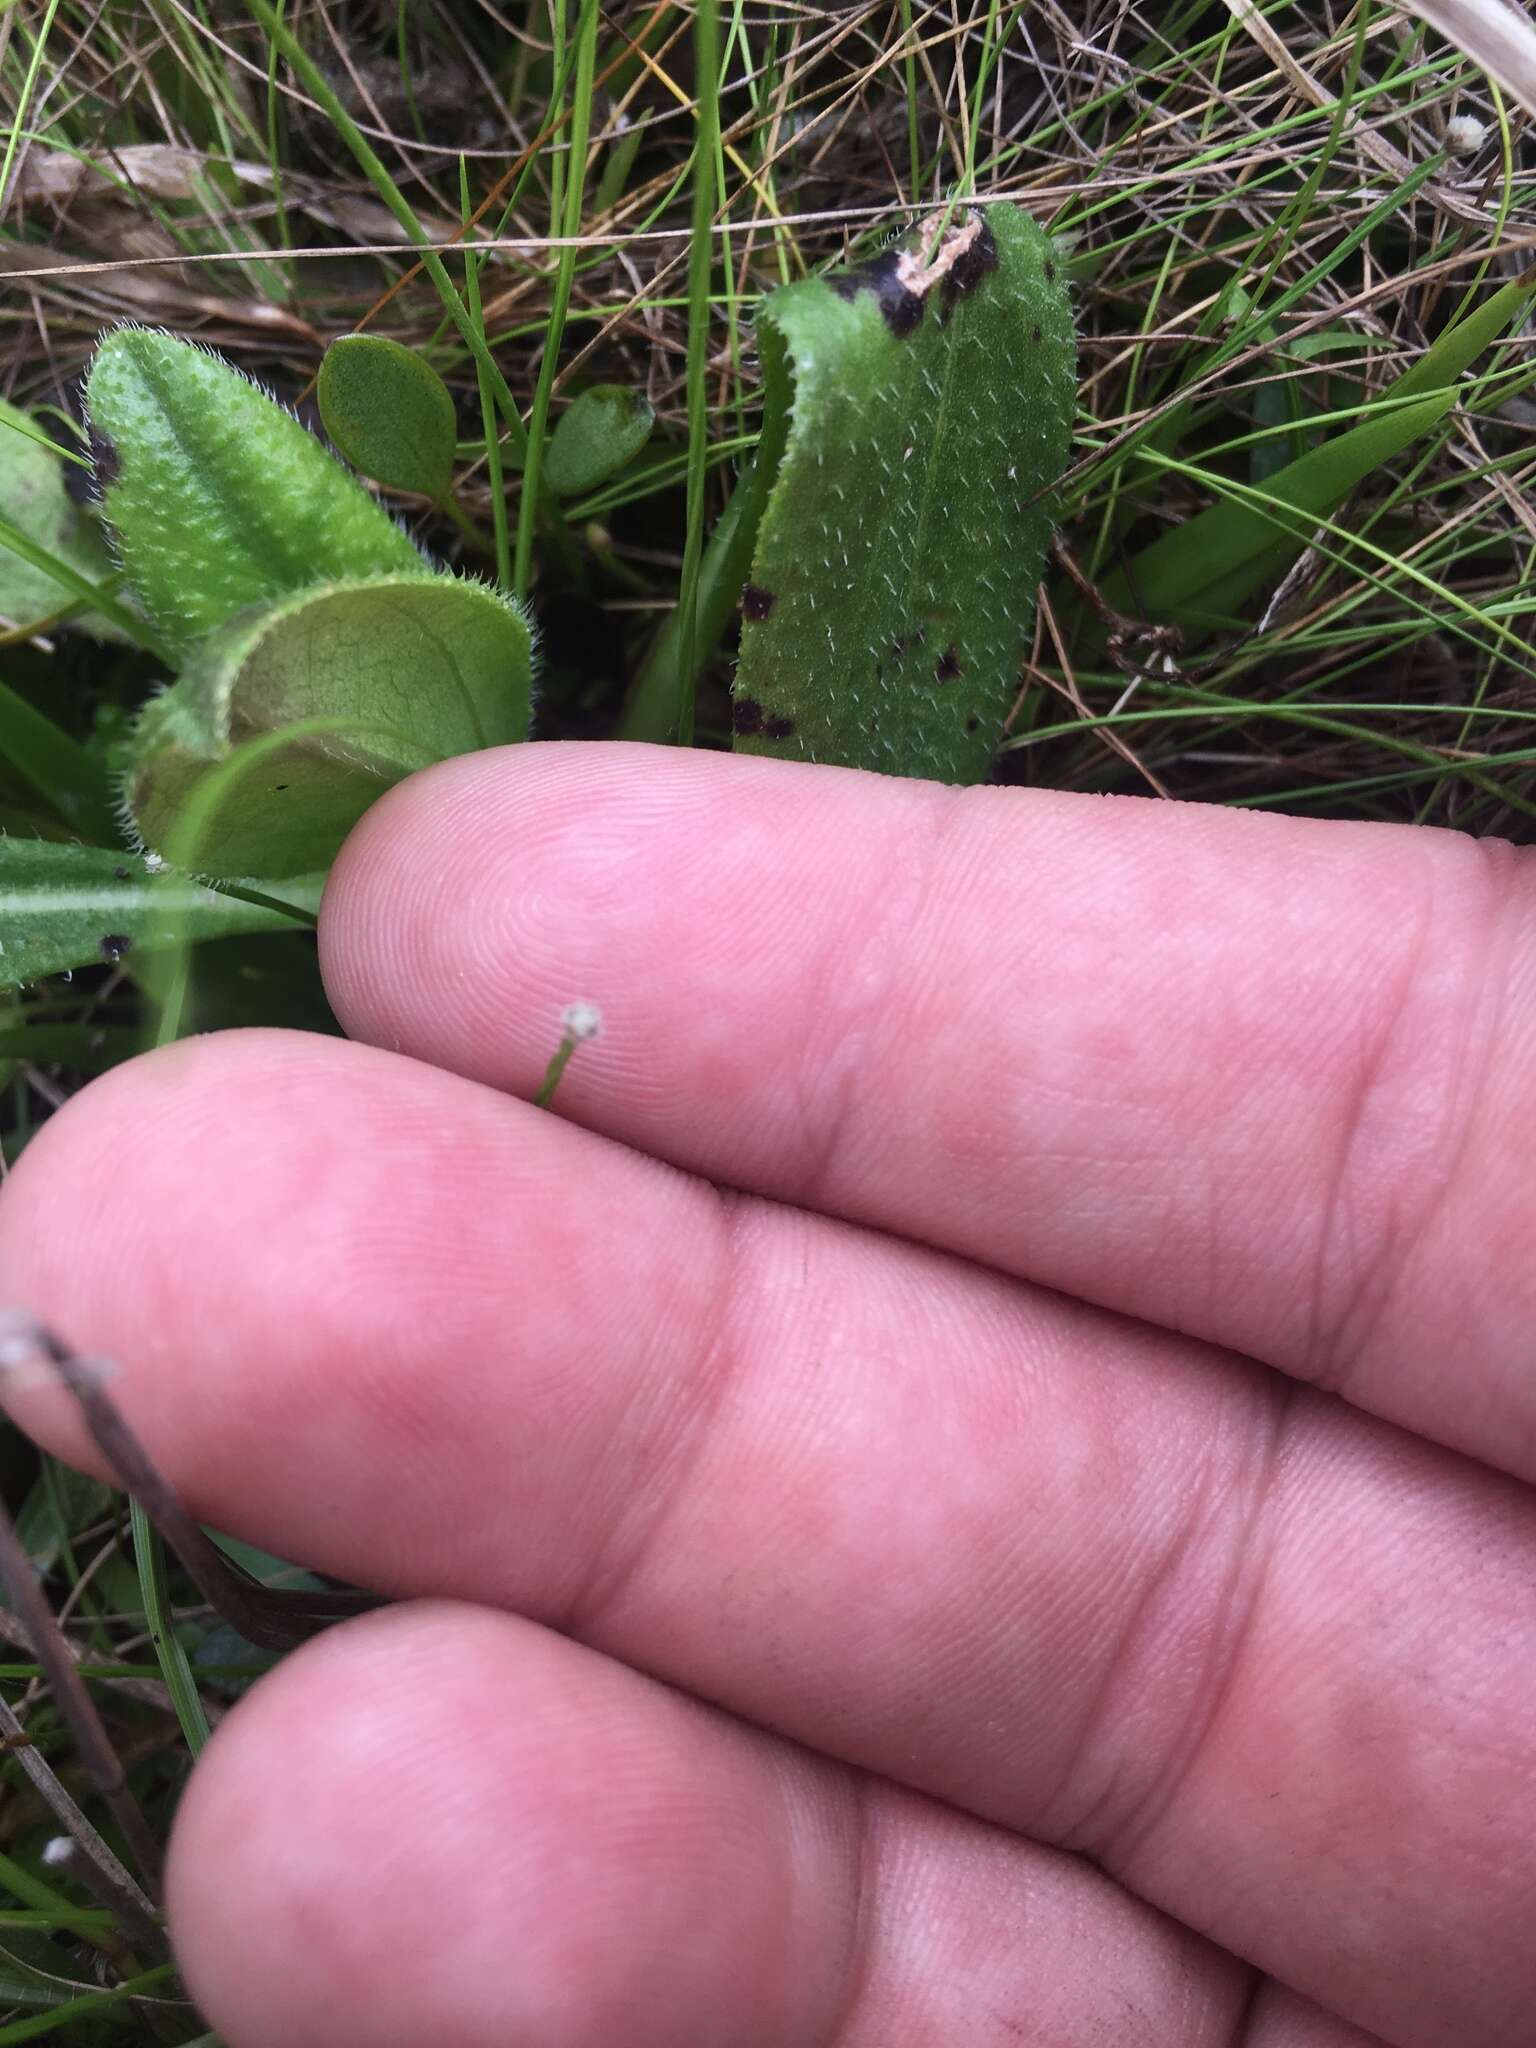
x,y
218,498
595,436
389,413
288,722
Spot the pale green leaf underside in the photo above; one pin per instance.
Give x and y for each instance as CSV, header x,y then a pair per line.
x,y
33,498
218,498
389,413
65,906
892,588
288,723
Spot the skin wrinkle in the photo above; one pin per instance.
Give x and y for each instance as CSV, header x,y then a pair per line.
x,y
782,1777
1244,1978
1076,1832
861,1914
1242,2026
1473,1073
1368,1299
699,1394
1340,1297
1272,2006
1081,1834
892,1888
1228,1618
832,1106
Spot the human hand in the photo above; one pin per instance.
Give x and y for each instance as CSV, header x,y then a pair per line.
x,y
880,1614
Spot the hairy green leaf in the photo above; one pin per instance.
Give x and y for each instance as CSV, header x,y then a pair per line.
x,y
287,723
598,432
64,906
219,499
389,413
930,396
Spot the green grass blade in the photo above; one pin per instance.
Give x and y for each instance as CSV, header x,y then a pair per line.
x,y
706,65
149,1553
83,2008
502,538
1214,562
18,124
24,1884
316,83
652,709
63,772
565,273
80,588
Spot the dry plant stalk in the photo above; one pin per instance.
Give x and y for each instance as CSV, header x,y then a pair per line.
x,y
1494,34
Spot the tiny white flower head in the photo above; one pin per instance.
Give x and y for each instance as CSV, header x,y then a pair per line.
x,y
581,1021
1465,134
59,1849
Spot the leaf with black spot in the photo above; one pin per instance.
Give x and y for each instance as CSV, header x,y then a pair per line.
x,y
217,497
64,906
929,398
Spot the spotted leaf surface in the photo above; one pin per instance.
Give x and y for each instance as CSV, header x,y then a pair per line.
x,y
64,906
217,498
929,396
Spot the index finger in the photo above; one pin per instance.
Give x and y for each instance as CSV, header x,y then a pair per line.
x,y
1259,1079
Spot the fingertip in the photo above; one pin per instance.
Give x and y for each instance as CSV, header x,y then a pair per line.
x,y
481,899
445,1824
64,1228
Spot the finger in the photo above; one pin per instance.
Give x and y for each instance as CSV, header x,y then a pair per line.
x,y
445,1825
1261,1080
1267,1660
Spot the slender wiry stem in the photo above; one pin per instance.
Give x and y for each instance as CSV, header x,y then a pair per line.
x,y
93,1862
74,1702
272,1620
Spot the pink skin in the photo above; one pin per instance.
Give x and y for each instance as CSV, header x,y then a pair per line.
x,y
1055,1676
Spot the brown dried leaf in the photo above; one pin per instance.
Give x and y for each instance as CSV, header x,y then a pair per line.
x,y
58,177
